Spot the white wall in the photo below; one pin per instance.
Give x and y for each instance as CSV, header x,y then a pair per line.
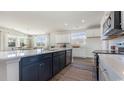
x,y
93,44
3,41
52,39
0,39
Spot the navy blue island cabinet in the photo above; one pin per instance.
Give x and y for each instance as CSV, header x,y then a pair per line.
x,y
68,57
59,61
45,68
41,67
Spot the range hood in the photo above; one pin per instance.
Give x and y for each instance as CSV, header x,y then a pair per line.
x,y
115,32
112,25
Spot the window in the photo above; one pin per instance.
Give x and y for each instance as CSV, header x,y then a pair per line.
x,y
11,42
41,40
78,38
22,43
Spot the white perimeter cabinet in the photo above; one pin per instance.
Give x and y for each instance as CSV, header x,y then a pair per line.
x,y
111,67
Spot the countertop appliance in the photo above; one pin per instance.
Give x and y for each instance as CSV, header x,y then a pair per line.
x,y
112,24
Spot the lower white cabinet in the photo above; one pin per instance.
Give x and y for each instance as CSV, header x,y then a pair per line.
x,y
103,74
9,70
111,67
79,52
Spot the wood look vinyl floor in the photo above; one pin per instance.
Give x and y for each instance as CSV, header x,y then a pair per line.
x,y
82,69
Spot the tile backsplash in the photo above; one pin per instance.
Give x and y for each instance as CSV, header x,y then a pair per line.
x,y
117,42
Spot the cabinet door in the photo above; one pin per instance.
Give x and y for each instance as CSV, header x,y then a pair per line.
x,y
30,72
68,57
62,61
45,69
56,65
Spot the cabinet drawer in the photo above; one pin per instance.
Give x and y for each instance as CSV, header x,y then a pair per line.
x,y
70,50
46,56
62,52
56,53
59,53
29,60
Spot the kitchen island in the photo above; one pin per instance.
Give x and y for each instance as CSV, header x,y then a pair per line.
x,y
33,65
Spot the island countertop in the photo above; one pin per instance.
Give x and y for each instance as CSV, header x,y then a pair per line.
x,y
7,55
108,52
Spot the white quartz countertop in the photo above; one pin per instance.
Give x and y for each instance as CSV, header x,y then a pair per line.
x,y
7,55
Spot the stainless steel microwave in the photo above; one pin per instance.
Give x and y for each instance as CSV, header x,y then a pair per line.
x,y
112,25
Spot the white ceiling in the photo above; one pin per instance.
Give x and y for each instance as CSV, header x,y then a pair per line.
x,y
40,22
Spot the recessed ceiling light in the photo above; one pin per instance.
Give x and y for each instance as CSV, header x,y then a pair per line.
x,y
82,20
66,24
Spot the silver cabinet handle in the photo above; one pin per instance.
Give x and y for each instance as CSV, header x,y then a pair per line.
x,y
41,64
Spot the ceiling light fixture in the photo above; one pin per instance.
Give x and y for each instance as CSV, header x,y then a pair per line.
x,y
82,20
66,24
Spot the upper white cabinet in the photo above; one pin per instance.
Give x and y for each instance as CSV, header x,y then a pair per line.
x,y
62,38
93,32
